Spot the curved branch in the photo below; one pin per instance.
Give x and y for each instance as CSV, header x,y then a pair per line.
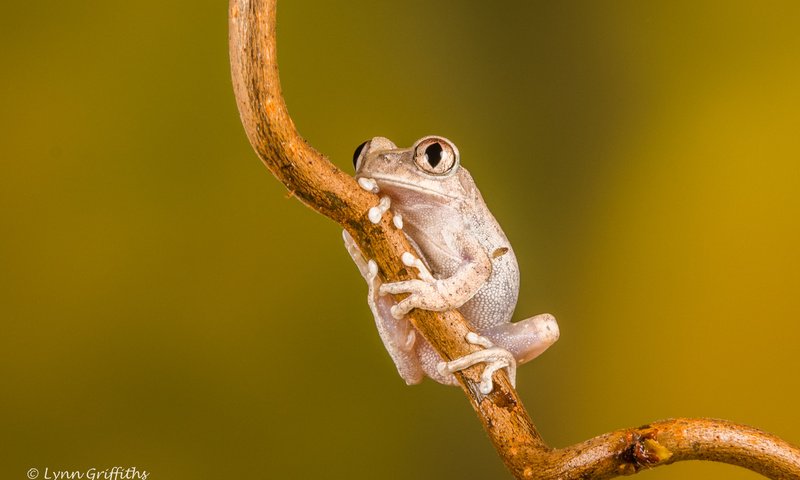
x,y
325,188
627,451
322,186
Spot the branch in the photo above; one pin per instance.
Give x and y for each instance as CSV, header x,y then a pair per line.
x,y
322,186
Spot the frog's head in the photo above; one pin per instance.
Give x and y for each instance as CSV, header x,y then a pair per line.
x,y
430,167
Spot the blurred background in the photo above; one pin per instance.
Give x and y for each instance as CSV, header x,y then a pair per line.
x,y
164,305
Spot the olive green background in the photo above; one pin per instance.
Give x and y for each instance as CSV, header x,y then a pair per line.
x,y
165,306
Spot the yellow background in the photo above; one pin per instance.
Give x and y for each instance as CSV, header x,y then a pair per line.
x,y
165,306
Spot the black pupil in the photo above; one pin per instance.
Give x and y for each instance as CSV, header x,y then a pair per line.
x,y
357,154
434,154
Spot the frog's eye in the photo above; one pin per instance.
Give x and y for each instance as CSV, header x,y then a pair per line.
x,y
436,155
357,154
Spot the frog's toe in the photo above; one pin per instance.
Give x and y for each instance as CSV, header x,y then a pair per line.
x,y
417,300
405,286
496,358
406,341
410,260
416,289
375,213
404,306
368,184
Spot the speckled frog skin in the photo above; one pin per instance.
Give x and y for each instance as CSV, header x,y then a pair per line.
x,y
463,258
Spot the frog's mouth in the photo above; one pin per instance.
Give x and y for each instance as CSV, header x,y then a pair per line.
x,y
410,186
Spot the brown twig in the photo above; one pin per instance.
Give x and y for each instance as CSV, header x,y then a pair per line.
x,y
322,186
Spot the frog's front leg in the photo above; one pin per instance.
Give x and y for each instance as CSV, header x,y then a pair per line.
x,y
439,295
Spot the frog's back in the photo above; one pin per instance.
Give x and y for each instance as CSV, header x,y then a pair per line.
x,y
494,303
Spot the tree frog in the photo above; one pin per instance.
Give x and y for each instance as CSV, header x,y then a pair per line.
x,y
463,259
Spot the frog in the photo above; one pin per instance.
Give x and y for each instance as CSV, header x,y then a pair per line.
x,y
462,257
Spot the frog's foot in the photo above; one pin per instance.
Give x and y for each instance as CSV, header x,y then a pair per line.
x,y
375,213
495,357
427,292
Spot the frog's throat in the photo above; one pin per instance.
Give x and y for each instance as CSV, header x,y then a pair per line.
x,y
412,186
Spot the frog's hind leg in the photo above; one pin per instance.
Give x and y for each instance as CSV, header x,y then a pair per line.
x,y
430,361
525,339
505,346
398,335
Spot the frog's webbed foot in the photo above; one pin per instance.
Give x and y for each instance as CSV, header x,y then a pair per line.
x,y
441,294
495,357
375,213
427,292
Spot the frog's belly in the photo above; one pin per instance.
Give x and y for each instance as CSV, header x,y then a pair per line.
x,y
494,303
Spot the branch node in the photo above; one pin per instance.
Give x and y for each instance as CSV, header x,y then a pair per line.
x,y
642,450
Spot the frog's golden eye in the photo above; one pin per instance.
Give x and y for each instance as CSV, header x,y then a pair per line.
x,y
436,155
357,154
